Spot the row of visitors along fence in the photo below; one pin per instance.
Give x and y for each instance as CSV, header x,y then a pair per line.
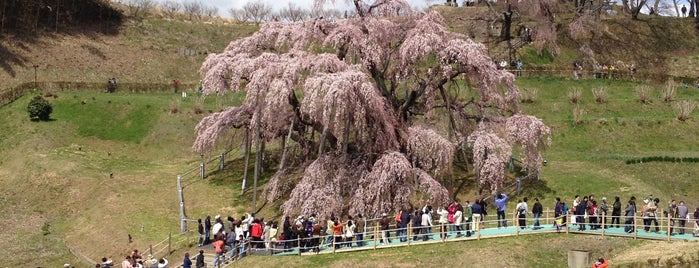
x,y
373,237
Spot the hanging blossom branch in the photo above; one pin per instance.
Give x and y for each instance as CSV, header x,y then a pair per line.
x,y
387,186
533,135
436,194
428,150
349,96
490,155
214,126
319,191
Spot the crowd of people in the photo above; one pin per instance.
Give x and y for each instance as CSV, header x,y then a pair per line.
x,y
232,238
134,260
459,219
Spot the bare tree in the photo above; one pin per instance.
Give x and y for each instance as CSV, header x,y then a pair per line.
x,y
193,9
171,8
330,13
139,8
211,11
257,11
293,13
633,7
237,14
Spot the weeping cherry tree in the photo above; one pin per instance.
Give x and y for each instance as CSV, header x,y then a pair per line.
x,y
352,93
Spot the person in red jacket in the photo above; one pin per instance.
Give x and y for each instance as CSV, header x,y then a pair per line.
x,y
256,234
600,263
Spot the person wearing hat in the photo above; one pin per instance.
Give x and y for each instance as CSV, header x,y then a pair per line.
x,y
652,214
600,263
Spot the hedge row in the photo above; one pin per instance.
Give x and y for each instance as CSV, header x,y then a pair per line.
x,y
662,159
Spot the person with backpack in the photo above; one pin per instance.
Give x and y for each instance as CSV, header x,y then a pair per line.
x,y
230,242
200,260
537,210
219,246
522,210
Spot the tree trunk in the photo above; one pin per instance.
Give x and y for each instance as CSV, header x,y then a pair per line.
x,y
2,17
58,5
321,143
247,158
625,6
507,24
656,7
346,135
258,165
284,142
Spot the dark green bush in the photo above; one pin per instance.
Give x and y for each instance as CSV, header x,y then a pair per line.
x,y
39,109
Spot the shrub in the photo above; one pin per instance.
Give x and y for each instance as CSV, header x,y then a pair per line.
x,y
199,104
578,114
39,109
684,108
175,106
601,94
643,93
529,95
669,91
575,95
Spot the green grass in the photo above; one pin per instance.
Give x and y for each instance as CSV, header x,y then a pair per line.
x,y
66,161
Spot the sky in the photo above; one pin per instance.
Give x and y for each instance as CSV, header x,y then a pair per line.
x,y
225,5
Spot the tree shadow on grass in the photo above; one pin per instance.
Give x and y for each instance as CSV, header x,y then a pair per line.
x,y
10,60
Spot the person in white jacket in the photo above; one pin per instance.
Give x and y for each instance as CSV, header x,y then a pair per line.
x,y
458,220
443,221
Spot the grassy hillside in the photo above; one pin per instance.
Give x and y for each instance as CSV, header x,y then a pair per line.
x,y
147,51
55,174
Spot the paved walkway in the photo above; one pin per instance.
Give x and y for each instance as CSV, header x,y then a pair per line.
x,y
372,239
490,230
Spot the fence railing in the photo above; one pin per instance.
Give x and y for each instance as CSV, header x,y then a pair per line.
x,y
8,95
489,227
205,168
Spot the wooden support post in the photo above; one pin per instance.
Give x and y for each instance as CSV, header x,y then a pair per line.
x,y
409,232
441,232
635,230
567,222
478,227
604,221
546,221
376,234
334,239
669,226
169,243
516,223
